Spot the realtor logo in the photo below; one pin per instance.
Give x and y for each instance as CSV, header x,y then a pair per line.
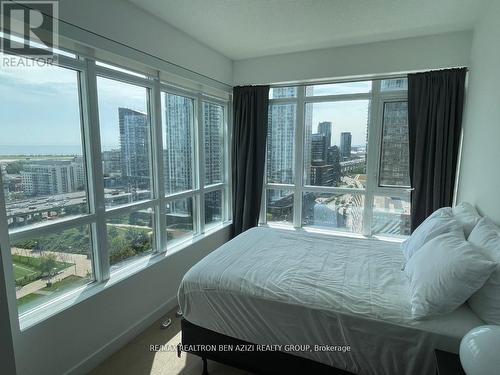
x,y
30,28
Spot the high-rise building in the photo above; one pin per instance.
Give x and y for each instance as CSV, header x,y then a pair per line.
x,y
322,175
281,138
345,145
213,116
325,128
318,148
112,168
111,162
395,156
178,163
333,159
135,148
50,177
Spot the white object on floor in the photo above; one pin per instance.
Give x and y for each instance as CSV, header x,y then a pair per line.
x,y
479,351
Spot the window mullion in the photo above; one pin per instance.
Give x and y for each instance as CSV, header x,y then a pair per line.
x,y
372,156
262,214
263,202
299,157
158,170
200,165
92,142
227,167
6,270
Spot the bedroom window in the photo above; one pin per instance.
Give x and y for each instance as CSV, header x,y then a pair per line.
x,y
215,196
335,143
279,206
213,208
394,158
102,168
333,211
280,143
180,220
130,236
337,157
178,142
213,137
45,183
126,140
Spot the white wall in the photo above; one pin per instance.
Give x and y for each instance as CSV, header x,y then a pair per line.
x,y
78,338
123,22
479,174
431,52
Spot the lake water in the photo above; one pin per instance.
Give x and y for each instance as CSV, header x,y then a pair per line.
x,y
40,150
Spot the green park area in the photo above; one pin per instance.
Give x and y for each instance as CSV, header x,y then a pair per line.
x,y
28,269
43,294
37,258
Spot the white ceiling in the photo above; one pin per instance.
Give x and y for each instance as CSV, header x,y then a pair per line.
x,y
241,29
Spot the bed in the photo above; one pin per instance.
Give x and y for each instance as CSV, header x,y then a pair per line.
x,y
274,287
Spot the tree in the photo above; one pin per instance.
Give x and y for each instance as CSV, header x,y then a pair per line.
x,y
119,250
138,240
113,232
47,264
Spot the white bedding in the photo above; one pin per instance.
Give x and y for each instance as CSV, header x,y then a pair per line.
x,y
279,287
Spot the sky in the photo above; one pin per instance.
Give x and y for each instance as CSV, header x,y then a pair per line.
x,y
40,109
112,95
345,116
341,88
39,106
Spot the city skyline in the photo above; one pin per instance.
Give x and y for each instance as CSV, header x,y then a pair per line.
x,y
347,116
53,95
335,156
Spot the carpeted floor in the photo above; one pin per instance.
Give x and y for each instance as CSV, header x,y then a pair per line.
x,y
135,358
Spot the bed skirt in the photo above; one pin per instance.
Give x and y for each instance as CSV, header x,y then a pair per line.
x,y
247,356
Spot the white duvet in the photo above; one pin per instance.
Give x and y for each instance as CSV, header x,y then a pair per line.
x,y
279,287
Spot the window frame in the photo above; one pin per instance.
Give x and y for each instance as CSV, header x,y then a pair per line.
x,y
88,72
377,99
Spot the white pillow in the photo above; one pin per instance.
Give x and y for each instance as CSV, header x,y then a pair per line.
x,y
439,222
467,215
444,274
486,301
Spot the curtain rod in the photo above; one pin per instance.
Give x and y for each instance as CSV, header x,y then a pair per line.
x,y
373,77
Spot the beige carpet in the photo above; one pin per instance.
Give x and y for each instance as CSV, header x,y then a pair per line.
x,y
135,358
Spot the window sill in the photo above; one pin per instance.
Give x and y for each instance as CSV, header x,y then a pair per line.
x,y
335,233
67,300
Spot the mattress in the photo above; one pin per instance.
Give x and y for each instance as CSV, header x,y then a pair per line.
x,y
336,300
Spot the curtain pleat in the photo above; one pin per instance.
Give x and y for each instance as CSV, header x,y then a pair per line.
x,y
250,110
435,106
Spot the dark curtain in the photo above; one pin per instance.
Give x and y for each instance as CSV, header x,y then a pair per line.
x,y
435,104
250,109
